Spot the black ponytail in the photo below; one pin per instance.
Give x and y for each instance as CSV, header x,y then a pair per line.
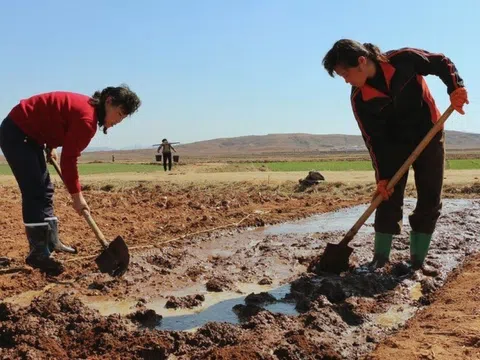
x,y
120,96
375,53
346,52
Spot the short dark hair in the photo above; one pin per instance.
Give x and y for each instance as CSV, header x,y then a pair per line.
x,y
345,52
120,96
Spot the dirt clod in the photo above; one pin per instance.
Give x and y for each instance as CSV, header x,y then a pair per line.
x,y
244,312
185,302
146,317
258,299
219,284
265,281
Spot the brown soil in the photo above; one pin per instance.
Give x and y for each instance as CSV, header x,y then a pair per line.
x,y
448,329
188,237
149,217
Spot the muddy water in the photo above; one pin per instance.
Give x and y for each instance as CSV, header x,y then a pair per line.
x,y
216,306
278,253
343,219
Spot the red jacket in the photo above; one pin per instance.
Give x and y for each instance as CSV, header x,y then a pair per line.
x,y
56,119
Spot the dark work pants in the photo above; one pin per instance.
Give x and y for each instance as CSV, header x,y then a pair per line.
x,y
27,161
428,169
167,156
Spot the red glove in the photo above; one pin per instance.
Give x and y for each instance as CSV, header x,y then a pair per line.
x,y
382,189
458,98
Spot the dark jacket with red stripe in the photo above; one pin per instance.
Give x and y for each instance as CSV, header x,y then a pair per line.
x,y
395,109
56,119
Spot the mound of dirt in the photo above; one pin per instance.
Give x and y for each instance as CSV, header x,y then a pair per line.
x,y
219,284
146,317
185,302
59,326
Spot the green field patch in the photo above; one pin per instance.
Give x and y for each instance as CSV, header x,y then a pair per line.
x,y
100,168
462,164
455,164
111,168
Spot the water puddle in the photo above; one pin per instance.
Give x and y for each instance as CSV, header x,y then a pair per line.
x,y
25,298
106,306
396,316
343,219
416,291
218,306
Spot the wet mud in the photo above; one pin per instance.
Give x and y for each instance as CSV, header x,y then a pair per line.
x,y
189,301
241,295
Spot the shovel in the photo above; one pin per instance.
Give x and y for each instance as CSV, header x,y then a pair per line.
x,y
335,258
115,257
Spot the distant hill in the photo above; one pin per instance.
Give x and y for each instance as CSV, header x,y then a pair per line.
x,y
272,143
268,144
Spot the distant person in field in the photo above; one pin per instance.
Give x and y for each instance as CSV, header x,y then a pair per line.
x,y
44,122
167,149
394,110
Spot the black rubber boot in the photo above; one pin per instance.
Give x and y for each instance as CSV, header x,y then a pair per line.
x,y
54,243
40,256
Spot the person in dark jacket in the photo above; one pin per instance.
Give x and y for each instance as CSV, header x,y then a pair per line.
x,y
40,124
167,153
394,110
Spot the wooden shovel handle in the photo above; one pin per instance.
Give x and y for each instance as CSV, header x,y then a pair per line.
x,y
86,214
95,228
398,175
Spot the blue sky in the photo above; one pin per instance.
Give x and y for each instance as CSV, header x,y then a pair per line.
x,y
219,68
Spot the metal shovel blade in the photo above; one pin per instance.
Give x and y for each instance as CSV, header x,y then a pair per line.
x,y
114,260
335,259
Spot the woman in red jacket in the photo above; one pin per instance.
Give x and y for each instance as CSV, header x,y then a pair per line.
x,y
394,110
42,123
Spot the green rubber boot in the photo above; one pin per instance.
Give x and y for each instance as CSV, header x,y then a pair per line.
x,y
382,247
419,245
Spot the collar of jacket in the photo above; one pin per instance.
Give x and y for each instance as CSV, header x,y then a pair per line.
x,y
369,92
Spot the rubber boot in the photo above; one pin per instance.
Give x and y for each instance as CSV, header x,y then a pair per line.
x,y
54,243
40,256
382,247
419,246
